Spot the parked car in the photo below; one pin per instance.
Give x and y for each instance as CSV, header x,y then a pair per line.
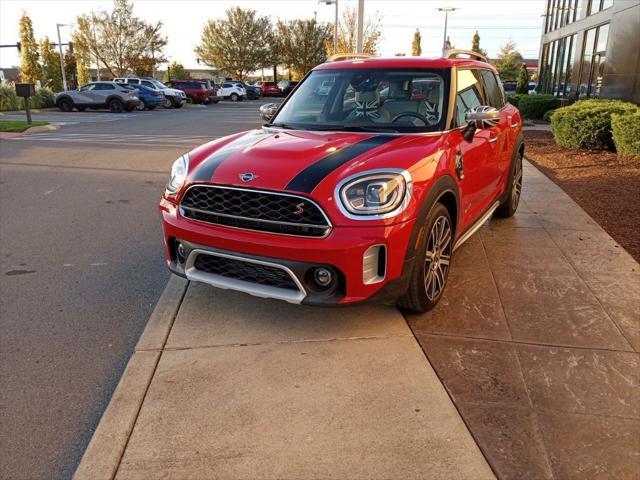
x,y
196,91
269,89
149,98
337,201
174,98
232,91
111,95
253,91
286,87
509,87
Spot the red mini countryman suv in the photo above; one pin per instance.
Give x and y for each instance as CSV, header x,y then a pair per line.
x,y
360,186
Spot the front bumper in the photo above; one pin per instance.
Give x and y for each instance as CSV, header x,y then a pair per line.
x,y
342,251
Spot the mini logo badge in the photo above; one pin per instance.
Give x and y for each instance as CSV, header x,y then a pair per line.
x,y
247,177
299,209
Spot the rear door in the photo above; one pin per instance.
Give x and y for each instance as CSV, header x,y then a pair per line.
x,y
475,162
500,134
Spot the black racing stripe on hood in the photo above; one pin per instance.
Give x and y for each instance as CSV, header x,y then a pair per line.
x,y
204,172
310,177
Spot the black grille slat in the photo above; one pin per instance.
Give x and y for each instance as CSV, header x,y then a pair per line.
x,y
248,272
255,210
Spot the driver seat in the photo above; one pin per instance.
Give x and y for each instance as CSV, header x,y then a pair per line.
x,y
368,108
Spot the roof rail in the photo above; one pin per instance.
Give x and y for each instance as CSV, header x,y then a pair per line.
x,y
455,52
338,57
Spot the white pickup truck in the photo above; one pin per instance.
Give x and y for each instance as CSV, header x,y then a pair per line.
x,y
174,98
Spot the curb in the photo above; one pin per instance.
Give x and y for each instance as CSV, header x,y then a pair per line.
x,y
41,128
102,457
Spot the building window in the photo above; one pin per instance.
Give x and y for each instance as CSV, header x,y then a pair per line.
x,y
593,61
580,9
606,4
569,87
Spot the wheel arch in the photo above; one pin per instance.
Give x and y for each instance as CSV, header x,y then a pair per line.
x,y
110,98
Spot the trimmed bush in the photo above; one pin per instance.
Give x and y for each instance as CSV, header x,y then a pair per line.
x,y
535,106
626,133
587,123
10,102
547,115
514,98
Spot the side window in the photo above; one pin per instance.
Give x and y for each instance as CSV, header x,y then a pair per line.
x,y
147,84
134,81
107,86
226,85
88,88
469,94
493,91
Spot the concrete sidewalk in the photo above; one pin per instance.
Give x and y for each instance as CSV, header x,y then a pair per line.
x,y
239,387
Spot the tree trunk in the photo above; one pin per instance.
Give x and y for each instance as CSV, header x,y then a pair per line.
x,y
275,73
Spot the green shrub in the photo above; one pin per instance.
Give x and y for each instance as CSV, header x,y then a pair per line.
x,y
535,106
10,102
626,133
587,123
547,115
514,98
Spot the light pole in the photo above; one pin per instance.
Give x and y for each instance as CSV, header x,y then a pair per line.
x,y
335,23
359,42
446,11
64,75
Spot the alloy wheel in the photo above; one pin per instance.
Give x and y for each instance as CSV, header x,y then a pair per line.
x,y
437,257
516,187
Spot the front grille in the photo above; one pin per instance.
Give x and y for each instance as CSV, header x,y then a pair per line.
x,y
255,210
248,272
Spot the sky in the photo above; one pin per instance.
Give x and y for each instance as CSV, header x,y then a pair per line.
x,y
496,21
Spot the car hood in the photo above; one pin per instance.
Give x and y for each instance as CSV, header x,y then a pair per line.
x,y
294,160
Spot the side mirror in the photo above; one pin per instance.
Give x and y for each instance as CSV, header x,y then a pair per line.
x,y
268,110
483,116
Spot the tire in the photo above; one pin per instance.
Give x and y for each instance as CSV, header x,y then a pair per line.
x,y
177,104
433,260
234,97
141,106
65,104
512,195
81,109
115,106
168,103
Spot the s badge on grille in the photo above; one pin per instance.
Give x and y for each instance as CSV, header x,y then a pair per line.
x,y
299,209
247,177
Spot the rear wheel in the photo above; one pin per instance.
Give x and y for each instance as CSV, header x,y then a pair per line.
x,y
116,106
141,106
65,104
512,197
431,267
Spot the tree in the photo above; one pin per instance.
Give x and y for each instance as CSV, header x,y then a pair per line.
x,y
416,47
51,74
301,44
82,62
523,80
235,45
29,67
507,61
347,32
475,45
118,39
175,71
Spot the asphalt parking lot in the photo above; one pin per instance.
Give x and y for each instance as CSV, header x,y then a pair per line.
x,y
82,267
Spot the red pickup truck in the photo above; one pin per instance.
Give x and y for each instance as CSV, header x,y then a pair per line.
x,y
197,91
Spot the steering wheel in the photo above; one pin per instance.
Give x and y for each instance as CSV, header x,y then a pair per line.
x,y
417,115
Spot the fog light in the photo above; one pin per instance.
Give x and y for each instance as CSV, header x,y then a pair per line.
x,y
182,252
323,276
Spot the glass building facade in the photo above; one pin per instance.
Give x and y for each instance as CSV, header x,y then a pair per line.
x,y
591,49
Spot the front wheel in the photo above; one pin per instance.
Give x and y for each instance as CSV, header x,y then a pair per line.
x,y
433,259
168,103
65,105
234,97
512,196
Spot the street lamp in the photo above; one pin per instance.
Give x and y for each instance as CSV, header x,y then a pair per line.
x,y
335,23
446,11
64,75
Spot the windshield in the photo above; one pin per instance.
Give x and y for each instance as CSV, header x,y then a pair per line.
x,y
158,84
368,100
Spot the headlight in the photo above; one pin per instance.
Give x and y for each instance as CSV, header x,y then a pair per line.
x,y
178,174
376,192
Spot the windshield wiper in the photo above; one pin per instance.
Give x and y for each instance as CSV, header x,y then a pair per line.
x,y
357,128
280,125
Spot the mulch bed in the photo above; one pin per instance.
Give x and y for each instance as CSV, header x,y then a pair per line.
x,y
605,185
